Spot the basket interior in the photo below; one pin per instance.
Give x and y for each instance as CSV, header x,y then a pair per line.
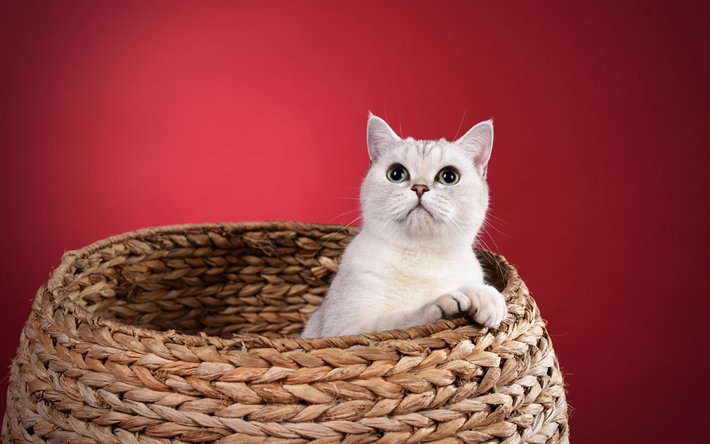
x,y
220,281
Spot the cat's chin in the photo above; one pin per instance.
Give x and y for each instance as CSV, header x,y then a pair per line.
x,y
419,211
420,221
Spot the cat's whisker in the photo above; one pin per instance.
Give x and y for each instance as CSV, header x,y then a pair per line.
x,y
486,251
480,238
488,222
483,229
333,235
492,226
492,216
461,124
343,214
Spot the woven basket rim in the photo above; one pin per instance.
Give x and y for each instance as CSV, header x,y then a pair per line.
x,y
59,296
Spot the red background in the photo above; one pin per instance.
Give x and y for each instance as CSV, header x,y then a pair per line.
x,y
122,115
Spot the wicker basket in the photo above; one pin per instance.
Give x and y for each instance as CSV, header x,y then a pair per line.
x,y
189,334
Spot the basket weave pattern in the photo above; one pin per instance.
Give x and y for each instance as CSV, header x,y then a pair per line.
x,y
189,334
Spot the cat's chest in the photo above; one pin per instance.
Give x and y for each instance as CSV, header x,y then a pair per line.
x,y
421,269
412,275
413,264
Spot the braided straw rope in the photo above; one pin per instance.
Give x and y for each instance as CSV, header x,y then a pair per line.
x,y
189,334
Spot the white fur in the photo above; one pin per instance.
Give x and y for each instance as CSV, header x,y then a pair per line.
x,y
413,261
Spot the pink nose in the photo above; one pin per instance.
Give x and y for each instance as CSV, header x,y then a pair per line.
x,y
420,190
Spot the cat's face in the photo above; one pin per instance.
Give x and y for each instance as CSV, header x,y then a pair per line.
x,y
420,192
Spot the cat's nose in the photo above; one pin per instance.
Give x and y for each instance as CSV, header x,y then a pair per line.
x,y
420,190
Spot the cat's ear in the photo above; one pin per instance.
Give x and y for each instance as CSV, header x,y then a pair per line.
x,y
478,142
380,137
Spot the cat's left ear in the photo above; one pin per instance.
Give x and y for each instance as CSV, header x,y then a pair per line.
x,y
478,142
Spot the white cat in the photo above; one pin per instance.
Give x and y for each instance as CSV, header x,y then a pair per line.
x,y
423,203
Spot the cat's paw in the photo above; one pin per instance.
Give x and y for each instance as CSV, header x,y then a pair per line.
x,y
451,305
482,303
488,306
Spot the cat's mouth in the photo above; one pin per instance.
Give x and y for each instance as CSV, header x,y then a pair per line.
x,y
418,209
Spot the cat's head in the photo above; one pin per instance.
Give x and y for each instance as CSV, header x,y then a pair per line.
x,y
426,192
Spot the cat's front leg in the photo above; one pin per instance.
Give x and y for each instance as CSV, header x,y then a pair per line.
x,y
402,318
482,303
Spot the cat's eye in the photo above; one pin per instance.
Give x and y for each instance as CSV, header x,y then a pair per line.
x,y
448,176
397,174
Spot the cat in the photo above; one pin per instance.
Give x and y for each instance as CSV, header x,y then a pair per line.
x,y
423,203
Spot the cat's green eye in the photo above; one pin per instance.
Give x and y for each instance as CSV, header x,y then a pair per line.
x,y
397,174
447,176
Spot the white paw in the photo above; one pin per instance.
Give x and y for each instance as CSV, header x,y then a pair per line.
x,y
482,303
452,305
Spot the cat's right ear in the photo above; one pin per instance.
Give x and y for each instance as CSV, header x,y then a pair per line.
x,y
478,141
380,137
